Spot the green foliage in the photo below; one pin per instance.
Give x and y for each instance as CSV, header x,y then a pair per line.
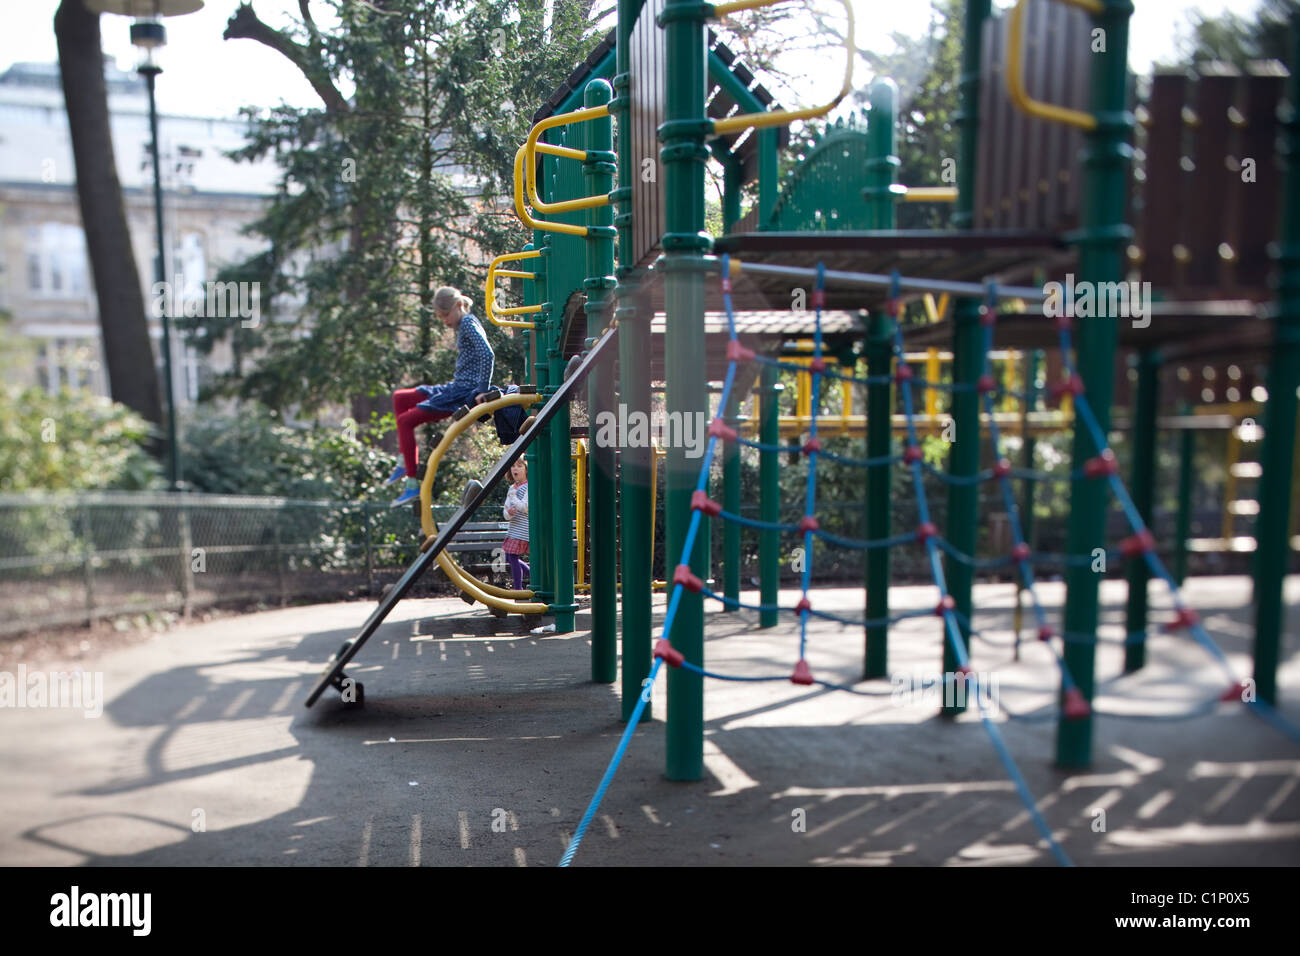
x,y
386,196
72,441
1232,38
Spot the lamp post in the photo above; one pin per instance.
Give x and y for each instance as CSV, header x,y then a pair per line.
x,y
148,34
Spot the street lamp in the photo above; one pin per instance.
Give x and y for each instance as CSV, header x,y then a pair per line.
x,y
148,34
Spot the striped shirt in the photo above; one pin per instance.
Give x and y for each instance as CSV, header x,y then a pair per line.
x,y
517,498
474,363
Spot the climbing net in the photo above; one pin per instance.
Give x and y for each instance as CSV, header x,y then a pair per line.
x,y
1140,544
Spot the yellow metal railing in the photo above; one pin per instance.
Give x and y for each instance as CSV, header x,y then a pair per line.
x,y
532,147
521,210
930,194
735,124
490,297
1015,81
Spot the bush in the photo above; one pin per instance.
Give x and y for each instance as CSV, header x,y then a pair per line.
x,y
72,441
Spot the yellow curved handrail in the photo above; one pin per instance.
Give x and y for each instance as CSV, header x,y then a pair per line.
x,y
766,119
532,146
485,593
490,289
1015,81
521,176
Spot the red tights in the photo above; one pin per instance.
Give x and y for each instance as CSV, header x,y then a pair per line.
x,y
405,402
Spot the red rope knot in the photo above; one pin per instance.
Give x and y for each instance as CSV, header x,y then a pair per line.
x,y
1064,323
1044,633
903,373
988,316
912,453
1002,469
1076,705
819,298
802,674
737,352
817,365
1021,552
926,531
891,308
803,605
1101,465
1073,385
1236,694
946,603
1186,617
808,523
700,501
1137,545
811,445
726,284
671,656
985,384
682,575
720,429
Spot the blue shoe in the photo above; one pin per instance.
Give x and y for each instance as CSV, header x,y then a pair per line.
x,y
397,475
410,493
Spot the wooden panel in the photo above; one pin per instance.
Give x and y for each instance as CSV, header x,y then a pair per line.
x,y
646,89
990,103
1262,199
1211,194
1029,170
1165,182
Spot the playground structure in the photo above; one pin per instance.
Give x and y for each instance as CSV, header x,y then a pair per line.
x,y
1045,194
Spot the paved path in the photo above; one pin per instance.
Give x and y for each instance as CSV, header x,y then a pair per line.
x,y
480,745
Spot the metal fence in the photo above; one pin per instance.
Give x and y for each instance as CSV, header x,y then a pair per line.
x,y
70,558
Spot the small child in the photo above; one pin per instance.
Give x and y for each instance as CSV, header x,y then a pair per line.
x,y
516,510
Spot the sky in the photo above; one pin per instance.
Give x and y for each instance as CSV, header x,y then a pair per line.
x,y
207,76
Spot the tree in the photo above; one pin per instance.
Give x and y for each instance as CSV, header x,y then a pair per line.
x,y
1236,39
132,375
390,192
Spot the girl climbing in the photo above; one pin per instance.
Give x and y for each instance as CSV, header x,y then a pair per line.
x,y
516,510
431,403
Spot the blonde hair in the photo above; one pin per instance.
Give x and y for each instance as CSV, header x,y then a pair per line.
x,y
448,296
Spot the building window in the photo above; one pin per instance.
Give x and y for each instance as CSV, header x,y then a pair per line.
x,y
70,363
56,260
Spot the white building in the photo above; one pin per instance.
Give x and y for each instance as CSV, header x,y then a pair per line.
x,y
46,284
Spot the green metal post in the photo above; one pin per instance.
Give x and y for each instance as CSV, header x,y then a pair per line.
x,y
767,176
880,409
730,186
561,466
684,159
882,164
1102,239
963,497
599,285
731,502
539,467
633,316
1186,480
967,117
1142,490
964,456
1273,550
769,493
